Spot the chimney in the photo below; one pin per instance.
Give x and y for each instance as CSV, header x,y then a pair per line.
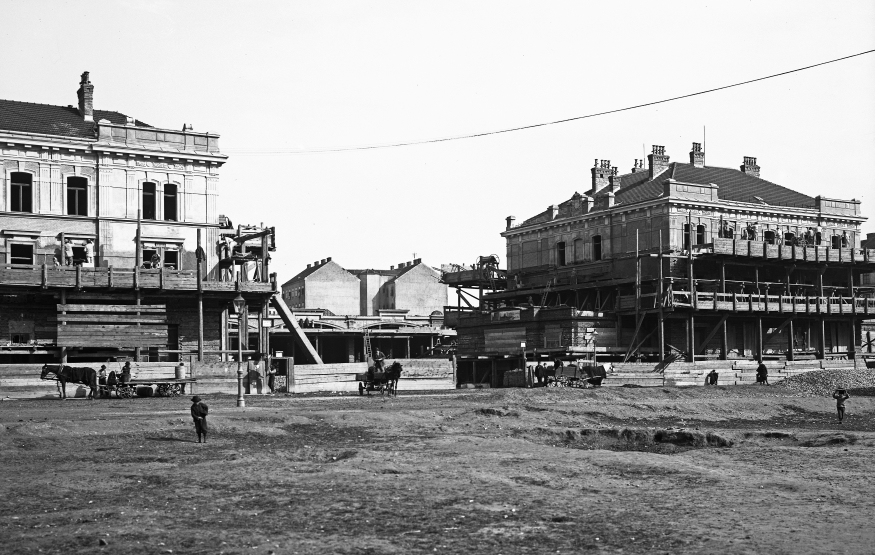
x,y
322,261
639,166
750,166
328,259
587,204
86,98
316,263
417,261
697,156
553,211
391,267
658,161
309,266
510,220
614,181
601,173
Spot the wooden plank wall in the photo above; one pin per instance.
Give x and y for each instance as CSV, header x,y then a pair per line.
x,y
120,326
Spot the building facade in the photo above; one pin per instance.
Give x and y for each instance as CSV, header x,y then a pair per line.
x,y
101,213
682,259
399,311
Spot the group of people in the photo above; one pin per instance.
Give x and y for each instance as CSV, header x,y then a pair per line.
x,y
105,382
69,255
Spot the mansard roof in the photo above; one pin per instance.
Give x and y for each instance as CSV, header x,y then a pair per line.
x,y
734,185
46,119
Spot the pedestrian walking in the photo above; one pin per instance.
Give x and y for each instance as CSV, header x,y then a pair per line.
x,y
199,411
840,395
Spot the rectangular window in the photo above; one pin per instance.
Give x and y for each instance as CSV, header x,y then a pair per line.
x,y
79,255
171,260
77,196
149,255
149,205
20,338
836,242
686,237
597,247
21,192
170,202
21,254
560,253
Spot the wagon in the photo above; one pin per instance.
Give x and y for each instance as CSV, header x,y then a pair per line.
x,y
572,376
375,381
165,387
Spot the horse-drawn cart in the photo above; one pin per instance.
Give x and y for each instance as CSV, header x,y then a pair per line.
x,y
375,381
384,381
573,376
169,387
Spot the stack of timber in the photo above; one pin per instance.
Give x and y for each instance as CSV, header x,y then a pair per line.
x,y
417,375
116,326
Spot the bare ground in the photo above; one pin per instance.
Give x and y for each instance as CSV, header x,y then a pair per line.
x,y
742,469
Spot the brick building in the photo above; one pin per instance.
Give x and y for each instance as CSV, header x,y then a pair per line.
x,y
681,259
400,310
131,201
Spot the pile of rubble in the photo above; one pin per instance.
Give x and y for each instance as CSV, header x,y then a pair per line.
x,y
824,382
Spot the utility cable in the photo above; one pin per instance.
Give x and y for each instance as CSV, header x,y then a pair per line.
x,y
544,124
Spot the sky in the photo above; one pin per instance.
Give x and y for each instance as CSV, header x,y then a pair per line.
x,y
279,80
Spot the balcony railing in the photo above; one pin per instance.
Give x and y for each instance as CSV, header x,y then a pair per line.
x,y
750,302
116,278
762,249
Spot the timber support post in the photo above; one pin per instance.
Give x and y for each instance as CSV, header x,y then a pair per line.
x,y
199,254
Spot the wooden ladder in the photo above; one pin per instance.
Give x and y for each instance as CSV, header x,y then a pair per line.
x,y
368,356
546,292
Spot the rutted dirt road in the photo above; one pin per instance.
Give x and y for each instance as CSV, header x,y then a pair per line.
x,y
742,469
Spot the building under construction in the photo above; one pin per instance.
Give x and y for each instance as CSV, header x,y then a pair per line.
x,y
678,260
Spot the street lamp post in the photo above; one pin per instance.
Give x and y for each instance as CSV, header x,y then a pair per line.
x,y
240,306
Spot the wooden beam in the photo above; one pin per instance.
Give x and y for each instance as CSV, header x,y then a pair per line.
x,y
714,331
634,336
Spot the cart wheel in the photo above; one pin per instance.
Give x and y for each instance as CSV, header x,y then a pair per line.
x,y
361,389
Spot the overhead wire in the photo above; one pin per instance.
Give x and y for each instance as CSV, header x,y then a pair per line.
x,y
536,125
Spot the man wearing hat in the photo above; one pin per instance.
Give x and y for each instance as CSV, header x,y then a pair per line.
x,y
199,411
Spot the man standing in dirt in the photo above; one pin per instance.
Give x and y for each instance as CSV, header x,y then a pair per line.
x,y
840,395
199,411
539,373
762,373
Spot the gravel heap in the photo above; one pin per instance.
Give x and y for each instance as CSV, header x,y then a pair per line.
x,y
824,382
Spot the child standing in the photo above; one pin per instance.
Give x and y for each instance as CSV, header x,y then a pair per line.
x,y
840,395
199,411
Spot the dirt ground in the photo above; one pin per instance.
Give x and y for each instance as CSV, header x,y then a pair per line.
x,y
744,469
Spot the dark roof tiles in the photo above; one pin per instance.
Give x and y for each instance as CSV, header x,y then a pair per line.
x,y
46,119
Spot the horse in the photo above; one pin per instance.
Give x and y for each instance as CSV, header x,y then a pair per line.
x,y
64,374
393,374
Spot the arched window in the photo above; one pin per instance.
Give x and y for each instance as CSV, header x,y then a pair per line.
x,y
789,238
686,237
149,204
769,237
21,192
170,202
77,196
836,241
597,247
700,234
